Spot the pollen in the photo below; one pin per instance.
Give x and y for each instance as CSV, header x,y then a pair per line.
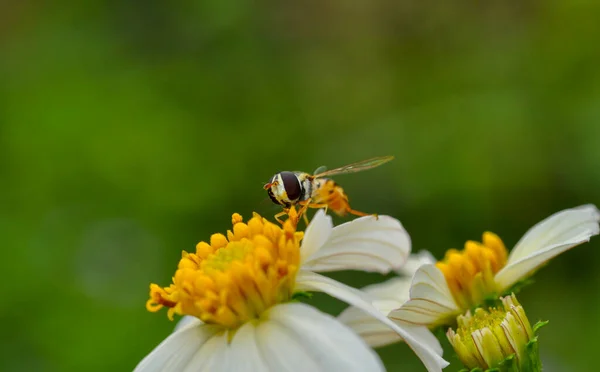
x,y
470,272
233,278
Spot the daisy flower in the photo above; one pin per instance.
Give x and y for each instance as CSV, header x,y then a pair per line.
x,y
482,271
386,297
239,291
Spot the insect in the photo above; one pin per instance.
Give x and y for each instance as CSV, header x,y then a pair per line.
x,y
289,189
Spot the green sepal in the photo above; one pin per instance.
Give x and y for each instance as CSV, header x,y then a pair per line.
x,y
508,365
301,295
532,363
539,325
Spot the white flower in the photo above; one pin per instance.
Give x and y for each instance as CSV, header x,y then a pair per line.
x,y
466,279
386,297
253,326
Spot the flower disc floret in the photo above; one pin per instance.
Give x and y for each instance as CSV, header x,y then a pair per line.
x,y
234,278
470,272
488,338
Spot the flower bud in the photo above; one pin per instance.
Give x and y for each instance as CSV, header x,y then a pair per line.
x,y
500,338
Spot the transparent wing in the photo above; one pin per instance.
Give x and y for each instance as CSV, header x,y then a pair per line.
x,y
320,170
356,167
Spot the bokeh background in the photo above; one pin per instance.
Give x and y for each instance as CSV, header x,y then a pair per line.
x,y
131,130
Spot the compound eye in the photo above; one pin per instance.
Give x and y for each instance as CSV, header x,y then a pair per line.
x,y
291,185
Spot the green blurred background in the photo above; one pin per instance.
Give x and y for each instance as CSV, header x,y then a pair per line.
x,y
131,130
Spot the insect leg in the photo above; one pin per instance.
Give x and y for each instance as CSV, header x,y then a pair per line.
x,y
307,204
304,205
359,213
282,213
305,219
302,211
318,205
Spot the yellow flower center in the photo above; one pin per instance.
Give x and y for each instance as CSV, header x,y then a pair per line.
x,y
234,279
486,338
470,272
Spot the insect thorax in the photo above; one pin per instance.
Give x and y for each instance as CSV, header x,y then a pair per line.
x,y
306,184
318,187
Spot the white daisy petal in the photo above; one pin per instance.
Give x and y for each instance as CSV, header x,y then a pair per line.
x,y
556,229
388,295
373,331
415,261
287,353
429,283
297,337
428,353
374,244
185,321
377,334
177,350
316,235
430,299
421,312
424,336
214,355
547,239
245,353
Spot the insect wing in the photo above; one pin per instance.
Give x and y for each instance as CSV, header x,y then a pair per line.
x,y
356,167
320,170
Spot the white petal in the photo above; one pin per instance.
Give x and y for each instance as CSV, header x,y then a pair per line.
x,y
185,321
177,350
556,229
212,356
377,334
373,331
316,235
430,299
232,354
387,296
297,337
415,261
370,243
430,284
246,354
547,239
424,336
285,351
390,294
428,353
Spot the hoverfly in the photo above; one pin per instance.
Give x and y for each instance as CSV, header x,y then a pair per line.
x,y
289,189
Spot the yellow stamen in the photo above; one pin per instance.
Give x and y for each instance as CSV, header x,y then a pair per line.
x,y
470,272
234,278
